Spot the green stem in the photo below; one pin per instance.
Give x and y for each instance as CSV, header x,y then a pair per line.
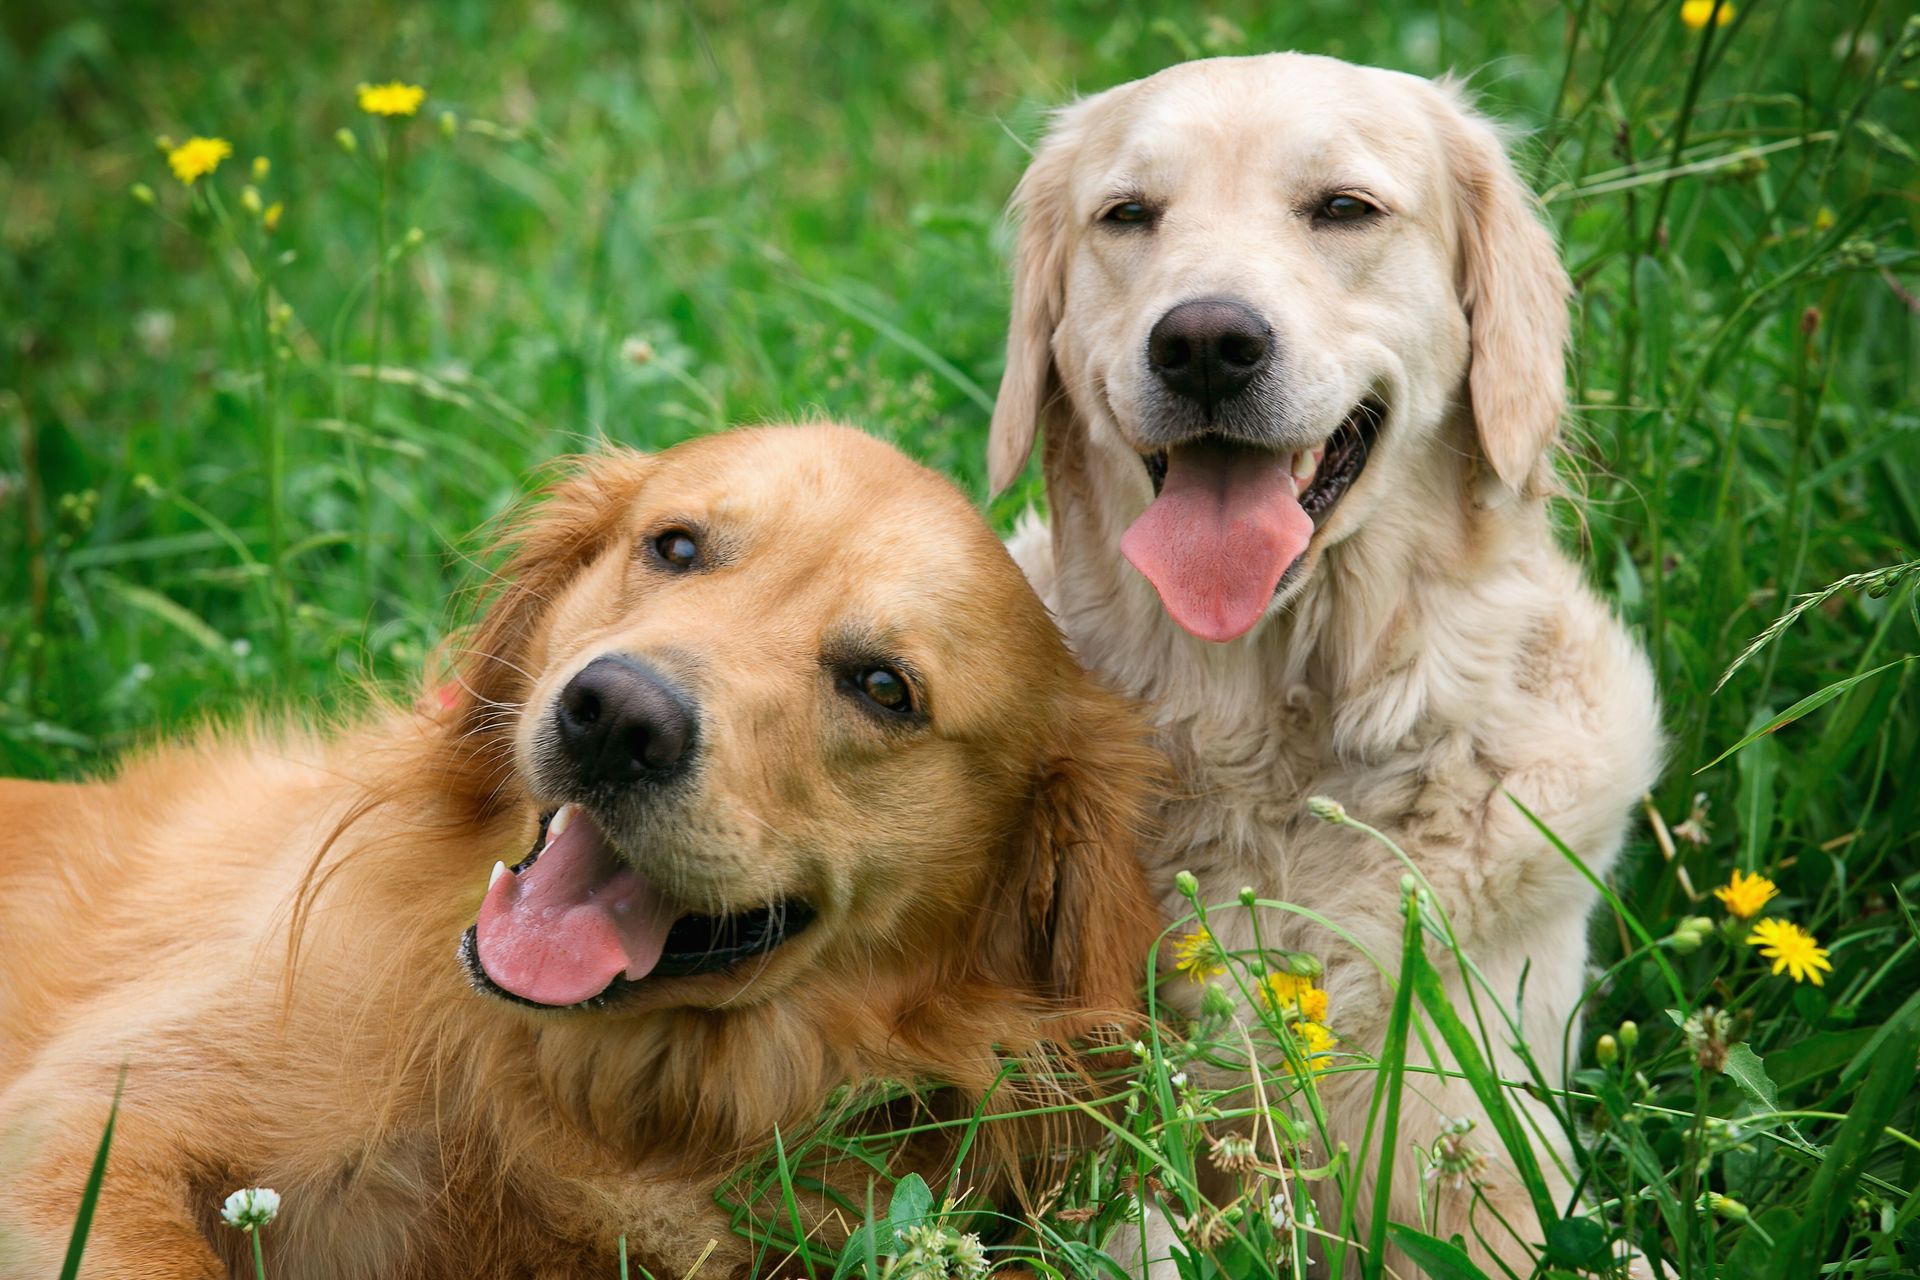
x,y
259,1260
379,364
276,466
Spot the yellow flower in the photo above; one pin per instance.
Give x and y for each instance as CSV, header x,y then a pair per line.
x,y
197,157
1697,13
1198,956
1743,896
271,218
393,99
1280,992
1792,950
1315,1043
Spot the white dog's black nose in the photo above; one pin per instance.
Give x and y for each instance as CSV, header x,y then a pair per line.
x,y
620,721
1208,350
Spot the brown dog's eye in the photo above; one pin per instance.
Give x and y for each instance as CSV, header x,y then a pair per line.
x,y
1130,212
1344,208
886,688
677,549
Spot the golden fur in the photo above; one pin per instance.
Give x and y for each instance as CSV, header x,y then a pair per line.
x,y
1433,651
262,924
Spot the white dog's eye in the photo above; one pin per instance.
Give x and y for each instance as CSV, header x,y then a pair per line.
x,y
1345,208
1128,212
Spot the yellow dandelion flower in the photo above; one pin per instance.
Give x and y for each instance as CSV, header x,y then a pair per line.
x,y
1198,956
1792,949
271,218
1743,896
197,157
1697,13
393,99
1315,1043
1283,992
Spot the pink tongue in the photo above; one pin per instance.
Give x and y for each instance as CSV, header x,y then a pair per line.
x,y
560,931
1214,543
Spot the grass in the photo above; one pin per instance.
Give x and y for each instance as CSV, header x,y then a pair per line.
x,y
239,466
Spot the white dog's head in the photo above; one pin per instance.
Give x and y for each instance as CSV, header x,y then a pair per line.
x,y
1264,286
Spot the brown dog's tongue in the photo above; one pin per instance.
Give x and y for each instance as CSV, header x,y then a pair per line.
x,y
1226,525
560,931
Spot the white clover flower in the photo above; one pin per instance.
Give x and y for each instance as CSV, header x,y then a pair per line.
x,y
251,1208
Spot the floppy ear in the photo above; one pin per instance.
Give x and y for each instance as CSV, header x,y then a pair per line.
x,y
1087,918
1039,295
1514,291
552,536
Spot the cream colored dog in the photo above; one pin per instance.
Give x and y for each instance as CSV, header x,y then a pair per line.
x,y
1296,336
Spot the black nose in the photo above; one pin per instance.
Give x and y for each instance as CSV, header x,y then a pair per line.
x,y
619,721
1208,350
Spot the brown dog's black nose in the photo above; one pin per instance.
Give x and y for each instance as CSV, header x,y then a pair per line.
x,y
1208,350
620,721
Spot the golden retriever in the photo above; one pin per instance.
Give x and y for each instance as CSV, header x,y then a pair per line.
x,y
814,792
1295,333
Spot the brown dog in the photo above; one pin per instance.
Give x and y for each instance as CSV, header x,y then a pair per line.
x,y
816,795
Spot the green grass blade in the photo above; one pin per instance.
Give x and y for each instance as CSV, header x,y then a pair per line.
x,y
1393,1064
90,1197
1812,702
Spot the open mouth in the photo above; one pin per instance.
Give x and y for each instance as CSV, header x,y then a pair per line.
x,y
1324,472
574,925
1230,522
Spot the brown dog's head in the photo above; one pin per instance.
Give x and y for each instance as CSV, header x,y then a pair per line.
x,y
1262,292
785,722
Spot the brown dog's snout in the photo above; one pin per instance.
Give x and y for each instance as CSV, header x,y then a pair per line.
x,y
620,721
1208,350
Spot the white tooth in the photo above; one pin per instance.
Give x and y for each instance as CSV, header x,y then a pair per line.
x,y
562,817
1304,465
499,869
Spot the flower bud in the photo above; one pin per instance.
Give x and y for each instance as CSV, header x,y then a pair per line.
x,y
1216,1003
415,237
1606,1051
1247,896
141,192
1301,964
1327,809
1629,1035
1726,1207
1184,882
449,124
250,200
261,168
348,143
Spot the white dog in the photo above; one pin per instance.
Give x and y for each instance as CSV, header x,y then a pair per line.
x,y
1296,336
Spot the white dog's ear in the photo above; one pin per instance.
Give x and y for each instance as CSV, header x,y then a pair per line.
x,y
1042,201
1514,292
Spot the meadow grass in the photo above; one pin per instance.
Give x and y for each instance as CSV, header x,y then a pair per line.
x,y
242,464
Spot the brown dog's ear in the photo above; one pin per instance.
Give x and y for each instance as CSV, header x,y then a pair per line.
x,y
1514,291
553,536
1086,917
1043,203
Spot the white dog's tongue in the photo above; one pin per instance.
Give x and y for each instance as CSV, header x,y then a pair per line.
x,y
561,930
1226,525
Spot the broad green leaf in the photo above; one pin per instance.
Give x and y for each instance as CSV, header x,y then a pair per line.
x,y
1439,1259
